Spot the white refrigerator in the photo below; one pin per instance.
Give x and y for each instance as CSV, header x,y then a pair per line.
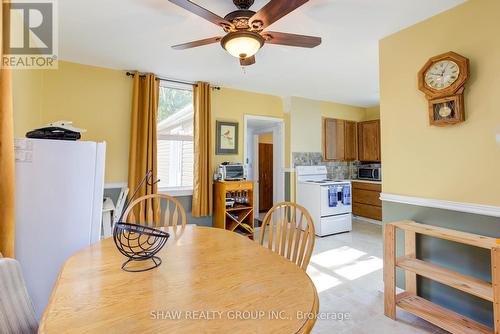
x,y
59,197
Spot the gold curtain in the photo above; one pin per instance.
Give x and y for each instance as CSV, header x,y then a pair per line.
x,y
142,156
6,147
202,183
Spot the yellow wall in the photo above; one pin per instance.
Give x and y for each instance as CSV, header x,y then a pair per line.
x,y
372,113
27,100
99,100
306,125
266,138
231,105
306,117
94,98
452,163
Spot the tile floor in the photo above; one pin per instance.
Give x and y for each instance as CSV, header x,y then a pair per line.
x,y
347,271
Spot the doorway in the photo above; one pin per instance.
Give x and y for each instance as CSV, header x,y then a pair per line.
x,y
274,178
265,171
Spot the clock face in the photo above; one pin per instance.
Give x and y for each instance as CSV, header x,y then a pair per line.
x,y
442,74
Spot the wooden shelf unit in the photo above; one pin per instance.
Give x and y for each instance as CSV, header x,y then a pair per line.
x,y
239,219
411,302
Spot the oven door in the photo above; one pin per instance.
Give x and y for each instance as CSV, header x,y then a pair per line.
x,y
341,208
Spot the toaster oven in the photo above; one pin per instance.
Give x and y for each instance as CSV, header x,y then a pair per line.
x,y
232,172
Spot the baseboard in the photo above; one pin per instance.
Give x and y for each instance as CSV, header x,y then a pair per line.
x,y
367,220
478,209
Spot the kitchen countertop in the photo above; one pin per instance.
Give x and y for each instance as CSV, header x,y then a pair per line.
x,y
366,181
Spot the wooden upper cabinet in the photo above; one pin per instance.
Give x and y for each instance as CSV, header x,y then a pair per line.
x,y
369,141
351,143
339,140
333,146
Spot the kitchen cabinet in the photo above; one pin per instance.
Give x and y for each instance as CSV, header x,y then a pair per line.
x,y
339,140
366,200
369,141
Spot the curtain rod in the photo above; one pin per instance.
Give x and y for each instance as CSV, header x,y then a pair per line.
x,y
130,74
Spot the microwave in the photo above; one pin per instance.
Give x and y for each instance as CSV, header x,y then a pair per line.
x,y
370,173
232,172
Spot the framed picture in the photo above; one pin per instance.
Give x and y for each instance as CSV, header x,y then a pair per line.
x,y
226,138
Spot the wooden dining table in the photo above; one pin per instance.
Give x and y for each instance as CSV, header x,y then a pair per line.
x,y
210,281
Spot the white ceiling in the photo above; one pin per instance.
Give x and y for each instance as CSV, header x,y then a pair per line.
x,y
137,35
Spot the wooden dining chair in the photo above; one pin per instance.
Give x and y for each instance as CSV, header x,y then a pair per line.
x,y
291,232
156,210
17,315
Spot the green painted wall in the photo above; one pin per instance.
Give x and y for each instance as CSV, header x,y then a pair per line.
x,y
468,260
288,190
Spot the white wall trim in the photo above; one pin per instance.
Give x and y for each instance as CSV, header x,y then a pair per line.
x,y
115,185
176,192
478,209
278,126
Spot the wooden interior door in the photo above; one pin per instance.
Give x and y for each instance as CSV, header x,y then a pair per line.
x,y
369,141
265,177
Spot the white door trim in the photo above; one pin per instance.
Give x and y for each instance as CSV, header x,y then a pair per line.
x,y
277,126
478,209
255,176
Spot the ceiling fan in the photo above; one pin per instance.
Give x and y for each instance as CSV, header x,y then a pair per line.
x,y
244,28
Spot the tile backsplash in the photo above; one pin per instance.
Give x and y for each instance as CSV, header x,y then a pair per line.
x,y
337,170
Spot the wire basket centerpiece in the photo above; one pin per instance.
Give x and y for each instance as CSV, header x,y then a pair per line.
x,y
139,242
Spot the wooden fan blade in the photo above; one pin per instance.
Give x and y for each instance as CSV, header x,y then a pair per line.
x,y
282,38
247,61
273,11
194,44
202,12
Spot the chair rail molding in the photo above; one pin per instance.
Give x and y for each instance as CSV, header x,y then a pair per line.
x,y
479,209
115,185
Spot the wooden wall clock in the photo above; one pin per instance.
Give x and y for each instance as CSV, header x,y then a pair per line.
x,y
442,79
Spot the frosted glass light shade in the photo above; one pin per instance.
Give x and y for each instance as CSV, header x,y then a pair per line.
x,y
242,44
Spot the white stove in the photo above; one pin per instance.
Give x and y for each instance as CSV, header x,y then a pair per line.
x,y
328,201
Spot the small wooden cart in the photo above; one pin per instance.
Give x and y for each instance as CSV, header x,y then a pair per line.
x,y
240,217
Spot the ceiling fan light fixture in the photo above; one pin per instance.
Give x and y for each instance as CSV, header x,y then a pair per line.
x,y
242,44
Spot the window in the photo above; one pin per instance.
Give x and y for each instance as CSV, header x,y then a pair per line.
x,y
175,137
